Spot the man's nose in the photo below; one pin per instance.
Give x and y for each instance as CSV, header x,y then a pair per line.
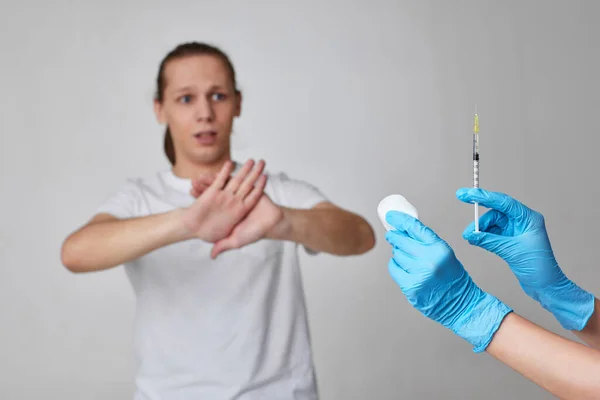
x,y
204,110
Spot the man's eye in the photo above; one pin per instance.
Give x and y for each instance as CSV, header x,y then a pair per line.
x,y
185,99
218,96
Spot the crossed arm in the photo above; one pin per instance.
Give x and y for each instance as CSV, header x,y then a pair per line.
x,y
107,242
227,212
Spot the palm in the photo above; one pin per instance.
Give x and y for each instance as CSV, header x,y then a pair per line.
x,y
261,219
216,224
225,202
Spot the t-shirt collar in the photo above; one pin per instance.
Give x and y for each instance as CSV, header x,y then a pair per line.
x,y
185,184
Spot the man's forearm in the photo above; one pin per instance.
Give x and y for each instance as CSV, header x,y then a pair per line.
x,y
331,230
110,242
591,333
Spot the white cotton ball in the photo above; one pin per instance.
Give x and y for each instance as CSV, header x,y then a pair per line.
x,y
395,202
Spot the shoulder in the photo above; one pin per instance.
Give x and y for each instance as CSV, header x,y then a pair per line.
x,y
126,199
283,178
293,192
282,182
137,185
151,182
277,177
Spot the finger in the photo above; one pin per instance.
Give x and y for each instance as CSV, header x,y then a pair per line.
x,y
412,226
197,190
408,262
200,185
400,240
204,180
488,241
220,247
256,193
494,200
221,178
492,221
248,183
234,183
406,251
400,276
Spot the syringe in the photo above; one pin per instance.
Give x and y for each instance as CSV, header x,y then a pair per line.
x,y
476,164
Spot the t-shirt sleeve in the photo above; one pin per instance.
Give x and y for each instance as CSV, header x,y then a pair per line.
x,y
296,193
124,203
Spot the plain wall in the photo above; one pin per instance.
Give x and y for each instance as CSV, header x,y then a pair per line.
x,y
360,98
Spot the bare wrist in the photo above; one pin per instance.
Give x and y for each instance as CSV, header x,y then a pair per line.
x,y
179,228
282,230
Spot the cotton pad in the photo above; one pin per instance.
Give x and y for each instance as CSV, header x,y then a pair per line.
x,y
395,202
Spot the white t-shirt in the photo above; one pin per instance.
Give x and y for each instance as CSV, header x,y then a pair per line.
x,y
231,328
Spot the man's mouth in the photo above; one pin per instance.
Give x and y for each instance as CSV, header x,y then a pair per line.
x,y
205,133
206,137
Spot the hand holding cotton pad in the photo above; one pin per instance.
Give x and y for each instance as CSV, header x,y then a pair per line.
x,y
395,202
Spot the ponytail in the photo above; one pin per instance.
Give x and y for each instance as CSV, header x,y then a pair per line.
x,y
169,148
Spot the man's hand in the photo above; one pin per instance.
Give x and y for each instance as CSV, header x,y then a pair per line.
x,y
225,202
261,220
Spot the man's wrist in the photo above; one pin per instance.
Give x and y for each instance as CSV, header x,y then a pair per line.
x,y
179,228
283,230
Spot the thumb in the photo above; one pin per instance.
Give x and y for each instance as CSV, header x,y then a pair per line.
x,y
474,238
199,185
496,244
194,192
220,246
412,226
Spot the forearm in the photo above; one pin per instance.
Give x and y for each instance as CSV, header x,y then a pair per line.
x,y
330,230
106,244
591,333
565,368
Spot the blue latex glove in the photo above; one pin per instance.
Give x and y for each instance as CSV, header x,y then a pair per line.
x,y
518,235
436,284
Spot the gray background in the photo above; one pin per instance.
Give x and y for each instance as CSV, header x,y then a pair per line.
x,y
361,98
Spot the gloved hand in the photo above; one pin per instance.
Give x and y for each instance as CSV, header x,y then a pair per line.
x,y
518,235
437,285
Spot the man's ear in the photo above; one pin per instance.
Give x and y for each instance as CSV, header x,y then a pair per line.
x,y
159,112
